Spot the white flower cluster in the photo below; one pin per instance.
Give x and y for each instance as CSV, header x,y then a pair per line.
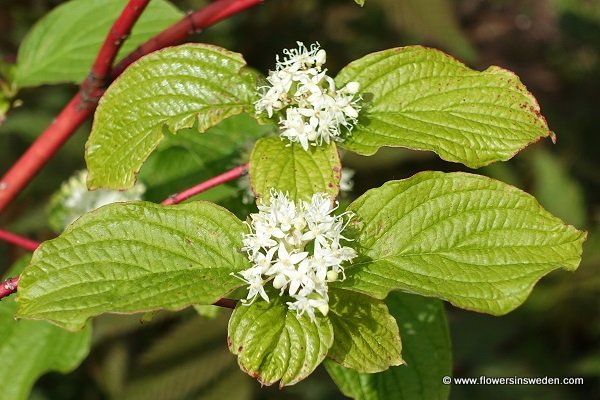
x,y
74,199
312,109
297,248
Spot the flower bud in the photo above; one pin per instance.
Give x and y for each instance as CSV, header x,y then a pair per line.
x,y
320,57
353,87
279,281
323,308
332,276
350,112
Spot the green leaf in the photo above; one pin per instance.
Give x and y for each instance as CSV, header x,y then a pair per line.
x,y
587,11
366,335
426,350
360,2
133,257
172,88
272,343
63,45
29,349
185,159
289,168
8,90
432,21
4,107
555,189
423,99
468,239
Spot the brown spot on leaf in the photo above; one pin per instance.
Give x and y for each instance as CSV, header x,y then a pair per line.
x,y
380,227
535,111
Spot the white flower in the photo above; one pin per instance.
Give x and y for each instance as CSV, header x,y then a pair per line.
x,y
286,261
311,109
264,261
74,199
297,248
308,305
255,285
346,182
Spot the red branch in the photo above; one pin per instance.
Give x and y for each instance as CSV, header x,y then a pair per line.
x,y
82,105
75,112
9,287
192,23
45,146
17,240
93,87
204,186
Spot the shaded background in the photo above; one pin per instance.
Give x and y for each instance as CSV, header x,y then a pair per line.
x,y
553,45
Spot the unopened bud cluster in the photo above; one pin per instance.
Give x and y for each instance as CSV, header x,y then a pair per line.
x,y
311,109
74,198
296,248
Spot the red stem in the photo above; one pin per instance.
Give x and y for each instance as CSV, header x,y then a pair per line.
x,y
93,87
9,287
192,23
204,186
75,112
82,105
17,240
45,146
